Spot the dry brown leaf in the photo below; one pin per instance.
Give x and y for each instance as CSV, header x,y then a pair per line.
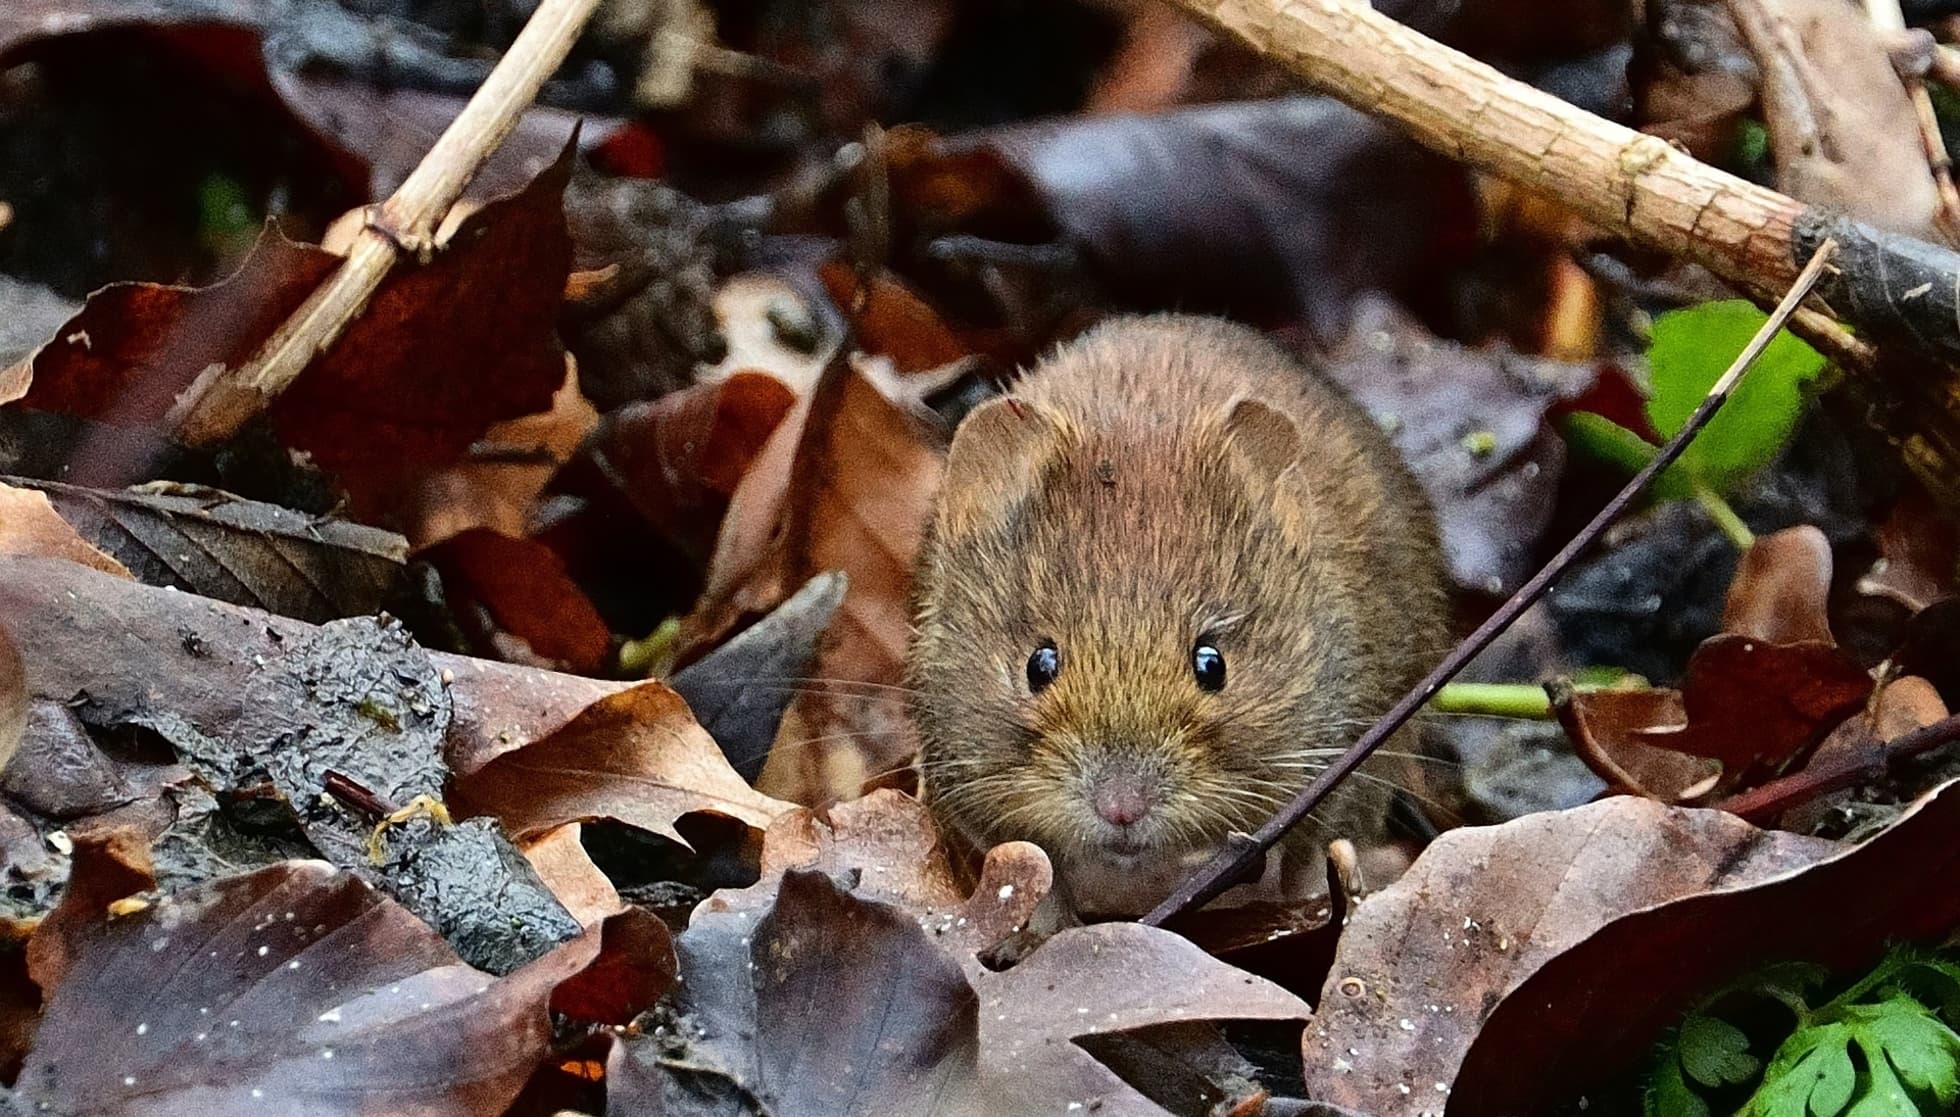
x,y
29,525
562,863
1782,588
1424,961
1594,1010
635,757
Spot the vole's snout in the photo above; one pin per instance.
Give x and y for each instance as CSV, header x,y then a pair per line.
x,y
1121,795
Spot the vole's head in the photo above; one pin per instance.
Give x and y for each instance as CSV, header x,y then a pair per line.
x,y
1127,644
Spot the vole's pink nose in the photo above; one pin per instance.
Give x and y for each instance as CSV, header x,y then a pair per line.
x,y
1121,798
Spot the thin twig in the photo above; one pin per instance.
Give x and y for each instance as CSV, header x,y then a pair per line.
x,y
1763,805
1245,853
222,400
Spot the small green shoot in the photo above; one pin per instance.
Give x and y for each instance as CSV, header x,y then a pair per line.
x,y
1877,1049
1690,350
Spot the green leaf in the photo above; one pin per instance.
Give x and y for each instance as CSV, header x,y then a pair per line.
x,y
1668,1093
1716,1052
1925,1051
1810,1074
1691,349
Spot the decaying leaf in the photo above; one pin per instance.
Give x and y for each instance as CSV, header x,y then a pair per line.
x,y
132,648
1782,589
635,757
14,699
514,599
1595,1008
1424,961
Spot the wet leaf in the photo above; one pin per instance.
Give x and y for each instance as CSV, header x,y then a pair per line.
x,y
1593,1009
635,757
133,648
441,352
1424,961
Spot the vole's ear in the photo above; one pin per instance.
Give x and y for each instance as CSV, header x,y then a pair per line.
x,y
997,459
1263,437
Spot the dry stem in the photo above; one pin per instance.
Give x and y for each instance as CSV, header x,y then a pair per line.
x,y
1621,180
222,400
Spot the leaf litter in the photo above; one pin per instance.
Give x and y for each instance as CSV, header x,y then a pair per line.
x,y
612,791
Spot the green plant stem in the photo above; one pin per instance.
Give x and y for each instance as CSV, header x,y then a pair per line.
x,y
1719,510
1498,700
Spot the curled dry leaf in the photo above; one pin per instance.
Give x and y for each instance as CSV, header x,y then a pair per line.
x,y
889,844
635,757
1919,555
908,1031
324,995
1606,730
1424,961
242,551
1595,1009
29,525
845,484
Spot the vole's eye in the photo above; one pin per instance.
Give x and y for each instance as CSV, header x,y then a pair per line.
x,y
1208,664
1043,666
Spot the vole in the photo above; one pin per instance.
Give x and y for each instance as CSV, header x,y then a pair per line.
x,y
1167,577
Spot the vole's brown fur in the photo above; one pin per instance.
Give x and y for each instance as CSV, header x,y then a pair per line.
x,y
1158,484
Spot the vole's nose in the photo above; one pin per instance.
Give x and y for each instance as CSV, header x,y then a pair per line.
x,y
1122,798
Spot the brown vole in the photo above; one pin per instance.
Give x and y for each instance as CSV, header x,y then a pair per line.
x,y
1164,576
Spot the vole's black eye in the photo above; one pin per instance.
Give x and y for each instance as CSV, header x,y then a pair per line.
x,y
1208,664
1043,666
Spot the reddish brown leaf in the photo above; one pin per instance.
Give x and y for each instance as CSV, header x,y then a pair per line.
x,y
135,347
522,588
844,485
633,967
1782,589
295,983
1424,961
1753,705
440,353
1608,728
1594,1009
892,321
636,757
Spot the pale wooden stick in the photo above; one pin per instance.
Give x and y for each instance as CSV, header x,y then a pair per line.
x,y
222,400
